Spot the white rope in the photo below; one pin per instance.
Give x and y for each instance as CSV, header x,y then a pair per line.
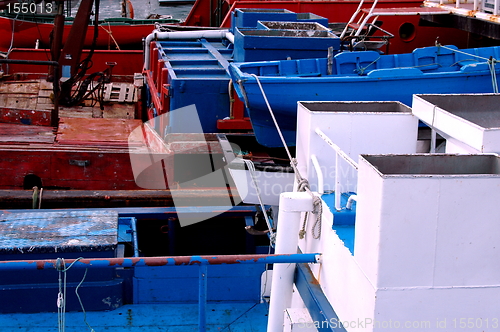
x,y
251,167
61,296
272,116
491,64
81,304
494,82
461,52
302,184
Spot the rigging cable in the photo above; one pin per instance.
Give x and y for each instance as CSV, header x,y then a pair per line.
x,y
303,184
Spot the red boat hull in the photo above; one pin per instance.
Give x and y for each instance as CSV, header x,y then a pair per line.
x,y
404,41
112,36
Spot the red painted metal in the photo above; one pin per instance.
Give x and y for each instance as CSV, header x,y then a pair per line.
x,y
25,116
341,11
126,36
128,62
88,154
70,55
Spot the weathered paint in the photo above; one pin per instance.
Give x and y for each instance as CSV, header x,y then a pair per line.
x,y
221,316
315,300
160,261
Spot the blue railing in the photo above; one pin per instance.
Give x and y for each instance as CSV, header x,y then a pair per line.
x,y
202,261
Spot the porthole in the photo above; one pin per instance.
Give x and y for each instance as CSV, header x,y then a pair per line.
x,y
407,32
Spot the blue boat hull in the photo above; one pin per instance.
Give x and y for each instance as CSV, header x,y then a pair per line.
x,y
458,74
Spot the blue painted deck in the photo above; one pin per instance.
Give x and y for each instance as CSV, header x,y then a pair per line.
x,y
230,317
344,220
359,76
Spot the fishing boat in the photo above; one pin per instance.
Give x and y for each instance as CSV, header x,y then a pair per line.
x,y
405,19
365,75
114,33
369,256
349,235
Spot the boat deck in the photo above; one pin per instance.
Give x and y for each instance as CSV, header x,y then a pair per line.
x,y
234,317
344,220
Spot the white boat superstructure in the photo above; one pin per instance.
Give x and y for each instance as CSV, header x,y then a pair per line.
x,y
411,240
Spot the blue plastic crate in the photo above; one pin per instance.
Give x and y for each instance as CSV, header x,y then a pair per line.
x,y
277,40
248,17
197,74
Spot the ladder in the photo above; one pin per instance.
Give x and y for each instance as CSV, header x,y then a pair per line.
x,y
356,27
366,19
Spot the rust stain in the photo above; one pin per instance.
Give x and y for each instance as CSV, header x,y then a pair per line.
x,y
313,279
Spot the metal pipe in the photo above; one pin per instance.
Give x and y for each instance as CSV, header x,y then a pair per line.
x,y
353,17
336,148
368,16
319,173
160,261
133,224
230,37
202,299
433,140
30,62
181,35
338,194
289,219
350,201
339,153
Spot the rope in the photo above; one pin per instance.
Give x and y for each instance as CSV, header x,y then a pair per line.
x,y
361,71
40,199
110,33
81,304
491,64
302,183
251,168
458,51
494,82
61,295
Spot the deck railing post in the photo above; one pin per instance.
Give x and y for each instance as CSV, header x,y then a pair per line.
x,y
202,301
287,240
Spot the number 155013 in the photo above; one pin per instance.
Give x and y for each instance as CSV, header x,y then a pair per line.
x,y
29,8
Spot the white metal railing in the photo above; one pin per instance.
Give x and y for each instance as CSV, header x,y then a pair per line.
x,y
338,154
479,8
319,174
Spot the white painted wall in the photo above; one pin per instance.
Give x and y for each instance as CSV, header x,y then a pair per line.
x,y
474,131
356,127
426,251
